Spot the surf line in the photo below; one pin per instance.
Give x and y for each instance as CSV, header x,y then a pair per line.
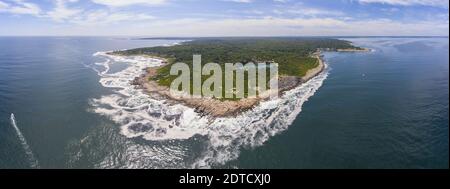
x,y
32,160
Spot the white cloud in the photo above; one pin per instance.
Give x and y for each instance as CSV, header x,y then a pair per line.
x,y
299,9
305,11
268,26
20,7
119,3
61,12
103,17
271,26
436,3
239,1
293,20
257,12
3,5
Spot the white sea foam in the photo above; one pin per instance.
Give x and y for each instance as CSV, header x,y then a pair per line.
x,y
31,159
141,116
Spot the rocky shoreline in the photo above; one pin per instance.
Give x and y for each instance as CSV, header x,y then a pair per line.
x,y
217,108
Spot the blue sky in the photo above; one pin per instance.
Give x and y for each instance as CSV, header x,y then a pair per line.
x,y
224,17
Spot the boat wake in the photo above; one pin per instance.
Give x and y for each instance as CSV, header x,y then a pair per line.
x,y
31,159
141,116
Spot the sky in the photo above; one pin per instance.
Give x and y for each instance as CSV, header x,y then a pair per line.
x,y
201,18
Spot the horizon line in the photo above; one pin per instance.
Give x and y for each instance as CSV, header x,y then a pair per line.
x,y
185,37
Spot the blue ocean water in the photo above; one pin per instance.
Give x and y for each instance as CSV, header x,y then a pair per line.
x,y
385,109
45,82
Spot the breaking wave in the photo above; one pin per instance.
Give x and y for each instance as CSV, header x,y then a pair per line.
x,y
156,120
31,159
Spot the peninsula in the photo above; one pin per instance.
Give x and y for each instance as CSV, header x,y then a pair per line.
x,y
299,60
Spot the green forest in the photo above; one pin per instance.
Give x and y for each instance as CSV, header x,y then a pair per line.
x,y
292,54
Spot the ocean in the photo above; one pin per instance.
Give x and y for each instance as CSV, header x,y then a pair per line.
x,y
64,103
